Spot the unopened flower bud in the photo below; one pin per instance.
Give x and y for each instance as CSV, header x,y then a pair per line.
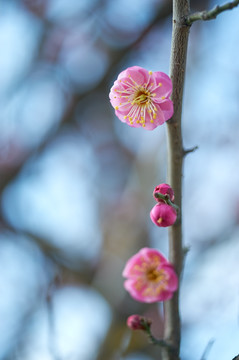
x,y
163,189
163,215
137,322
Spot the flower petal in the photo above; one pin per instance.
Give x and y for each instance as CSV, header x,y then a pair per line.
x,y
165,295
152,255
163,84
172,279
132,286
166,107
135,266
136,73
147,293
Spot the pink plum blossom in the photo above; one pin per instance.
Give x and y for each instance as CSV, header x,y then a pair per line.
x,y
141,98
138,322
150,277
163,189
163,215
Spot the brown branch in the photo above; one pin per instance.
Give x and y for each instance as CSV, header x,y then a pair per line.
x,y
172,329
210,14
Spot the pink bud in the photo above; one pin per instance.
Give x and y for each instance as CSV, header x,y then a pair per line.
x,y
163,215
137,322
163,189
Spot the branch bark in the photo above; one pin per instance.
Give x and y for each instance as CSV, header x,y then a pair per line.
x,y
181,8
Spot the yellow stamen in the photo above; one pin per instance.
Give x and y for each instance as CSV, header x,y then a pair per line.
x,y
150,72
155,275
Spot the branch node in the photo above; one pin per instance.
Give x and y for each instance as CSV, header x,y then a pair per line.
x,y
186,249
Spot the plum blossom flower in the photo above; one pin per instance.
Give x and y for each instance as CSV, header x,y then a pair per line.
x,y
163,215
163,189
150,277
141,98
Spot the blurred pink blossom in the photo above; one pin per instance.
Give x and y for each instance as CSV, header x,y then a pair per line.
x,y
163,189
141,98
163,215
150,277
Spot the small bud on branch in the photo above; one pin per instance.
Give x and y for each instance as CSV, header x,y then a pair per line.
x,y
138,322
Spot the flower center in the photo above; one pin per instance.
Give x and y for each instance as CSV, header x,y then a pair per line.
x,y
154,275
141,97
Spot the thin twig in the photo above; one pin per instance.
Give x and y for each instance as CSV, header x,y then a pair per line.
x,y
159,342
210,14
207,349
51,320
188,151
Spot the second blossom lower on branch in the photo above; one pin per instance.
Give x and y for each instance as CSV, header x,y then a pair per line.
x,y
150,276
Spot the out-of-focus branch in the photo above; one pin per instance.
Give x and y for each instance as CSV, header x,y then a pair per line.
x,y
207,349
210,14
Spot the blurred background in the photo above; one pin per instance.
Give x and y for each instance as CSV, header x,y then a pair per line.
x,y
76,184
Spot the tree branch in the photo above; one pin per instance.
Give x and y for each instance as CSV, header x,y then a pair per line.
x,y
207,349
172,327
210,14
